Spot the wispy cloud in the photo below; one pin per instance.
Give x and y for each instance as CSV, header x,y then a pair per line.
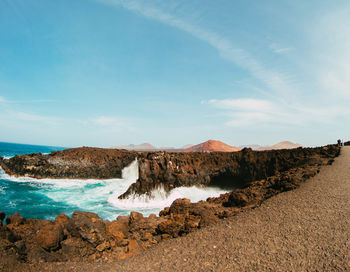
x,y
253,112
243,104
278,49
273,80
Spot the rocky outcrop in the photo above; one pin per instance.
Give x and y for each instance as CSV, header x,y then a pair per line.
x,y
225,170
230,170
86,237
82,163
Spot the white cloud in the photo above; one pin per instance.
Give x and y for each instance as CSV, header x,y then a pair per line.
x,y
251,112
243,104
280,49
2,99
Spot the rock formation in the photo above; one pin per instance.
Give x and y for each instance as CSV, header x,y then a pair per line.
x,y
227,170
81,163
86,237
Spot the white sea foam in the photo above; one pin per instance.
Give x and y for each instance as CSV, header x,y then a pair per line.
x,y
159,198
101,196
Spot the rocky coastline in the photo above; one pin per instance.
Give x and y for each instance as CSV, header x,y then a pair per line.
x,y
86,237
229,170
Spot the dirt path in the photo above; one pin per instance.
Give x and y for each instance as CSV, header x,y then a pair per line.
x,y
307,229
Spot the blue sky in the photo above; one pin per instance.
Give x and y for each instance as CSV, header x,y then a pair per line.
x,y
112,72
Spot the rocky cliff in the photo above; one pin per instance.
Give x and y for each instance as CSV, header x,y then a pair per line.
x,y
163,169
86,237
80,163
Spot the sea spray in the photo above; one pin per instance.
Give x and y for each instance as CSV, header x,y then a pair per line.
x,y
159,198
46,198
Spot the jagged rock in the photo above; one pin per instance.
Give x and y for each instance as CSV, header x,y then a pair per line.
x,y
2,217
167,170
103,246
237,199
84,162
6,234
134,217
86,237
67,225
75,249
50,236
90,227
117,230
15,219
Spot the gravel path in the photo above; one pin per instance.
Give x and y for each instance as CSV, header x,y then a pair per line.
x,y
307,229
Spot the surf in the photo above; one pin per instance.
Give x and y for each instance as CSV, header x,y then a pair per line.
x,y
99,196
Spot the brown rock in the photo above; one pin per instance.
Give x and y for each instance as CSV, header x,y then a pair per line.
x,y
135,216
15,219
173,227
75,249
134,247
121,218
237,199
50,236
103,246
117,230
90,227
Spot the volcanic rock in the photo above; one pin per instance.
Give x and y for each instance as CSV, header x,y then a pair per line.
x,y
2,217
50,236
90,227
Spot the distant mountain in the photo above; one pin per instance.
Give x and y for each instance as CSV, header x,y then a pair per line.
x,y
139,147
281,145
212,146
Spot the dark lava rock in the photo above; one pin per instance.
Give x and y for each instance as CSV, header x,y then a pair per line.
x,y
83,162
2,217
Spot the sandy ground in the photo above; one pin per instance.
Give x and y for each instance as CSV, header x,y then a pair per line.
x,y
307,229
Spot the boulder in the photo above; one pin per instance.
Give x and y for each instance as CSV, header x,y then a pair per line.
x,y
90,227
75,249
50,236
67,225
117,230
237,199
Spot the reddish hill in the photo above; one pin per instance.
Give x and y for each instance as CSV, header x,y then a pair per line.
x,y
212,146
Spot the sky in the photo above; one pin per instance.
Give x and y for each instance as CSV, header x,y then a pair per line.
x,y
115,72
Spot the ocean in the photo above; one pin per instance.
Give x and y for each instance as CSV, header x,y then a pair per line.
x,y
47,198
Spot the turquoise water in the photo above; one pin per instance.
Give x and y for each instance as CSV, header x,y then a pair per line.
x,y
47,198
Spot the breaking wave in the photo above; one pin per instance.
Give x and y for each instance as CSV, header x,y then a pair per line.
x,y
56,196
